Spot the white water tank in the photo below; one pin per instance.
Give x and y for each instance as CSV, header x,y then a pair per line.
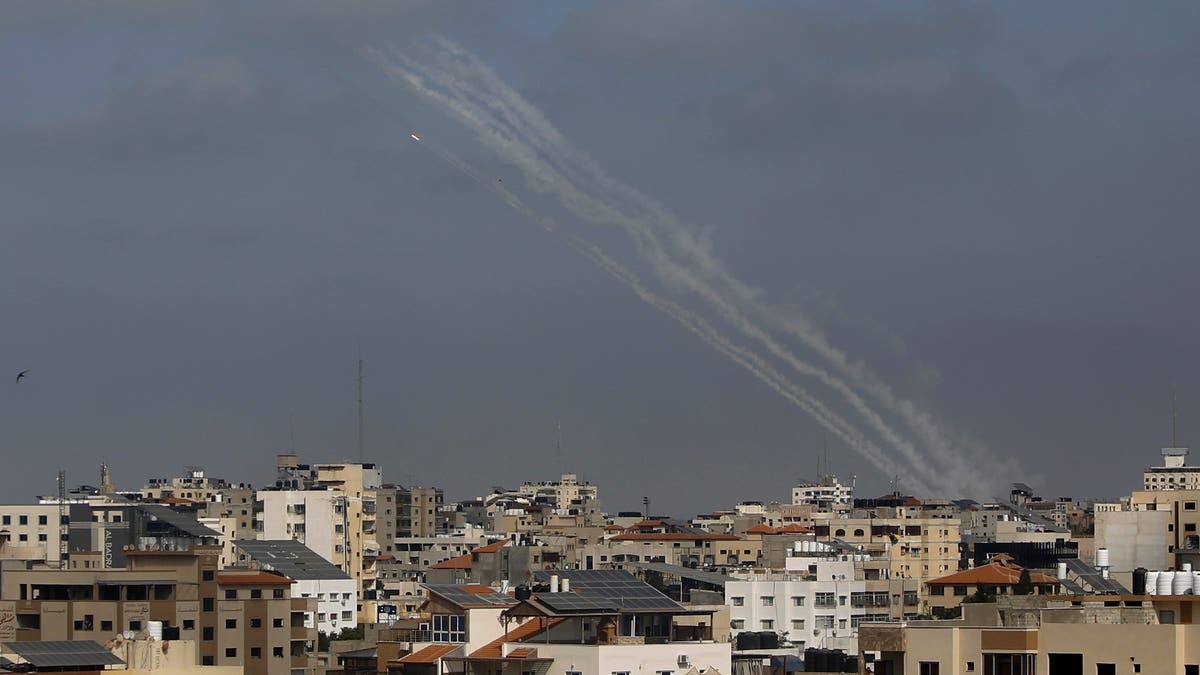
x,y
154,628
1187,567
1165,580
1152,582
553,583
566,585
1181,584
1062,571
1196,583
1102,557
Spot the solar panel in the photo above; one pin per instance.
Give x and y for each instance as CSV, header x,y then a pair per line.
x,y
1092,577
57,653
181,521
290,558
575,602
461,596
618,587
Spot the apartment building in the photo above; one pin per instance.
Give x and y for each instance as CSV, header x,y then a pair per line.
x,y
33,532
314,577
236,617
827,496
1173,474
565,495
675,548
917,548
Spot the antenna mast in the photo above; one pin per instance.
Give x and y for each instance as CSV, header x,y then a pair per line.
x,y
362,440
62,516
1174,415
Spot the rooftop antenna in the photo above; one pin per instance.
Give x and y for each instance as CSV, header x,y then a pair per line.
x,y
558,442
62,517
362,439
292,432
1174,414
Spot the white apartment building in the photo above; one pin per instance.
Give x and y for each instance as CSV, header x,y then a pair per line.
x,y
566,494
827,495
30,532
818,608
1174,474
334,589
315,518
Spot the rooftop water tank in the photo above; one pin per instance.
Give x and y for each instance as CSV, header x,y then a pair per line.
x,y
1181,583
1102,557
1165,579
1151,583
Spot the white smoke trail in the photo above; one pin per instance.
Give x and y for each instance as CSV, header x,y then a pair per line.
x,y
474,82
471,92
749,361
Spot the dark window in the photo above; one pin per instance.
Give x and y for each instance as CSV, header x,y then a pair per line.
x,y
42,520
207,575
106,626
256,623
7,520
189,624
277,623
256,594
929,668
960,590
206,660
231,652
135,625
230,594
207,633
1189,506
277,594
256,652
231,623
1188,669
277,652
208,604
22,520
1106,669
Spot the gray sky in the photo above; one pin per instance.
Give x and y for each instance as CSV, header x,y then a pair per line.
x,y
988,209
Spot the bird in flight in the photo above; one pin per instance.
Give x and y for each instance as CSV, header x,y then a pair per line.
x,y
21,374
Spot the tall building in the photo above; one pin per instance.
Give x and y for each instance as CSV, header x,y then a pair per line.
x,y
1173,474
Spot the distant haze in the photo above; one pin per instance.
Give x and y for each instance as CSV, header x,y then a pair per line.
x,y
953,241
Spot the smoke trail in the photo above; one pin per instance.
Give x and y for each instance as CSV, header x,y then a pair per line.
x,y
473,82
696,325
470,91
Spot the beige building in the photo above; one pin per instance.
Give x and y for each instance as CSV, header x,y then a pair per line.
x,y
31,532
236,617
1077,635
917,548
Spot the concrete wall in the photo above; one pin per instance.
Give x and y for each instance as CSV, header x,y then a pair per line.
x,y
1135,539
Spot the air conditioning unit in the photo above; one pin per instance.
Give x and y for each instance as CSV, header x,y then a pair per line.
x,y
683,661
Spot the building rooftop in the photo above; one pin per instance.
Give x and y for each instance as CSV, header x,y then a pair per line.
x,y
290,558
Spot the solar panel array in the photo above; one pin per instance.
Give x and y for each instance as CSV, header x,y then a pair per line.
x,y
576,602
180,521
58,653
617,586
1091,576
290,558
461,596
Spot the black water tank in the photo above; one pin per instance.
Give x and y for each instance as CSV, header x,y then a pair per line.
x,y
747,640
523,592
768,640
1139,581
819,661
810,659
850,665
837,661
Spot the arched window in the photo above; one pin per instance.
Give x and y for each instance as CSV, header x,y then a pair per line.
x,y
858,533
839,533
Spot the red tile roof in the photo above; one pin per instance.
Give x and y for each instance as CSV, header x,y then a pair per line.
x,y
430,654
674,536
795,528
762,528
462,562
492,547
991,574
252,578
521,653
495,649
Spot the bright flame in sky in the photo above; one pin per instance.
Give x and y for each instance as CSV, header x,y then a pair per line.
x,y
415,137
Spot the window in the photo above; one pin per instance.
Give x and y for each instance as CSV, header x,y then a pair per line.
x,y
960,590
106,626
41,537
189,624
231,623
768,624
449,628
277,623
231,652
824,600
1111,669
256,652
206,661
42,520
797,624
207,575
797,601
737,624
7,520
937,590
231,594
256,623
768,601
737,601
256,594
23,537
207,633
346,616
929,668
277,652
970,666
1009,664
1187,506
135,625
22,520
620,672
277,593
823,621
208,604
